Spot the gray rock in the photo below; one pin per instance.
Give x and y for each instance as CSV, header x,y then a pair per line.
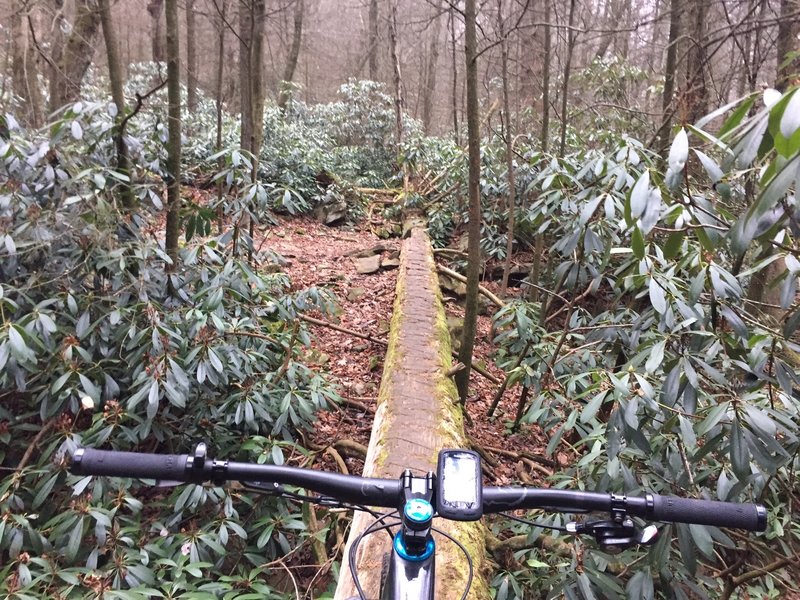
x,y
330,214
369,264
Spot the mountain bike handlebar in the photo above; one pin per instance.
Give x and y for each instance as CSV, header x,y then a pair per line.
x,y
386,493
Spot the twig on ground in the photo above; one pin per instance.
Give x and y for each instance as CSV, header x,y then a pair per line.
x,y
29,451
459,366
357,334
337,459
494,299
351,447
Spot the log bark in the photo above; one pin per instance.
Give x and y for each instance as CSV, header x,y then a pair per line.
x,y
417,415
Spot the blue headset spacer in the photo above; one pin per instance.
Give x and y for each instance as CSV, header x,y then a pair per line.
x,y
418,510
400,548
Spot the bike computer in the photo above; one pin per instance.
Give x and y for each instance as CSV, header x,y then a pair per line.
x,y
459,489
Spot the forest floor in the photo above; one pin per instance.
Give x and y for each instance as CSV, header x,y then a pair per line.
x,y
324,256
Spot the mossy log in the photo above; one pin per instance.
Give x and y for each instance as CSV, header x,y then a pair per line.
x,y
417,415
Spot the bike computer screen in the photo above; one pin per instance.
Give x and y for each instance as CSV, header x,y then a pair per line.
x,y
459,489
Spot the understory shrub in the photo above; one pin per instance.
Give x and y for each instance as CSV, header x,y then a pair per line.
x,y
105,343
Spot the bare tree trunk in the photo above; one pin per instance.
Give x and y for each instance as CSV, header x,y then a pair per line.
x,y
373,40
257,74
191,57
294,53
154,8
696,93
24,72
788,42
251,42
670,70
398,81
452,25
221,26
57,39
511,204
118,95
429,89
78,53
545,134
608,22
758,47
474,232
567,70
174,144
246,32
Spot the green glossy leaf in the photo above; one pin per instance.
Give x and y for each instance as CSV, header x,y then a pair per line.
x,y
740,455
679,151
639,195
711,167
776,189
671,386
637,243
702,539
736,116
673,245
74,542
658,297
656,358
590,410
640,586
759,422
747,149
790,120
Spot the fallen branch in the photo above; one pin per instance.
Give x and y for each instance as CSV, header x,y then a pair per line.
x,y
449,251
502,389
481,371
337,458
29,451
487,458
459,366
356,404
522,455
494,299
369,190
330,325
735,582
351,447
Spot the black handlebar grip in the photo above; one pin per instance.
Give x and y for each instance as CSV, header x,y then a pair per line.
x,y
752,517
87,461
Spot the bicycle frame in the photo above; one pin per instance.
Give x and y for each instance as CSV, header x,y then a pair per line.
x,y
412,570
407,579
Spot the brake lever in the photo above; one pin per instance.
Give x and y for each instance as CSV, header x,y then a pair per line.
x,y
265,487
615,536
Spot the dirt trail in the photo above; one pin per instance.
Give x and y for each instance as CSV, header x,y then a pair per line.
x,y
323,256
